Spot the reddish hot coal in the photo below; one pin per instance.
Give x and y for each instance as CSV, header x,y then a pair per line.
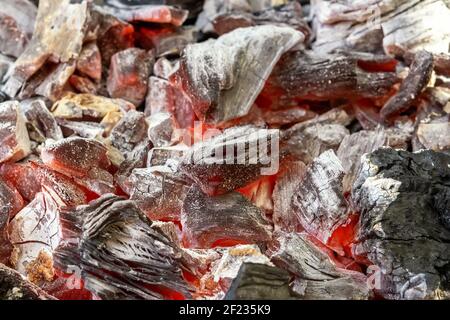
x,y
263,149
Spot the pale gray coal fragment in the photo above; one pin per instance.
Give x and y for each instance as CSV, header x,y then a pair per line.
x,y
16,26
434,134
223,80
415,82
134,256
318,275
318,201
260,282
57,37
207,220
13,286
40,122
129,132
160,129
164,67
128,75
403,199
232,159
158,192
84,129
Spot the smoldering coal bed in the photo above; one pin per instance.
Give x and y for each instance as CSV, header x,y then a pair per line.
x,y
263,149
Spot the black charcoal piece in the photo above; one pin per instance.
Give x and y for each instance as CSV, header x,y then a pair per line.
x,y
403,199
119,252
208,220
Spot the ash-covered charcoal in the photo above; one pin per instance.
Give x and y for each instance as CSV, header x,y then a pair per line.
x,y
58,37
379,24
54,84
89,62
16,26
415,82
6,64
283,192
232,159
170,156
35,232
13,286
315,76
442,64
223,77
147,13
403,199
318,275
260,282
83,84
76,157
289,15
318,200
158,192
40,122
307,140
160,129
163,67
120,253
14,140
129,132
128,75
84,129
209,220
353,147
434,133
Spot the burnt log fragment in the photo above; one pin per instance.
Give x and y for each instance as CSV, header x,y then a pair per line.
x,y
403,199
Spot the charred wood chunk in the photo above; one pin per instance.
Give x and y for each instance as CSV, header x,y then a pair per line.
x,y
120,253
403,199
89,62
159,193
14,139
129,132
311,75
83,84
54,84
232,159
415,82
40,122
58,34
13,286
223,77
128,75
318,275
318,201
35,233
259,281
208,220
16,26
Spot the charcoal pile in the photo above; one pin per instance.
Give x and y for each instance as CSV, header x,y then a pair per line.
x,y
252,149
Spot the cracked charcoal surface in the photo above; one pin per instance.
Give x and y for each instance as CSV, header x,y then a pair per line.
x,y
404,201
113,232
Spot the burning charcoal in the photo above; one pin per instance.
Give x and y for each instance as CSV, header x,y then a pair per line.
x,y
23,177
208,220
75,156
160,129
14,140
35,233
13,286
260,192
58,34
404,229
53,85
318,275
219,75
232,159
283,213
89,62
313,76
260,282
16,26
318,201
163,68
137,261
158,192
417,79
435,134
165,97
353,147
442,64
171,156
130,131
147,13
128,75
85,129
40,122
82,84
79,106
